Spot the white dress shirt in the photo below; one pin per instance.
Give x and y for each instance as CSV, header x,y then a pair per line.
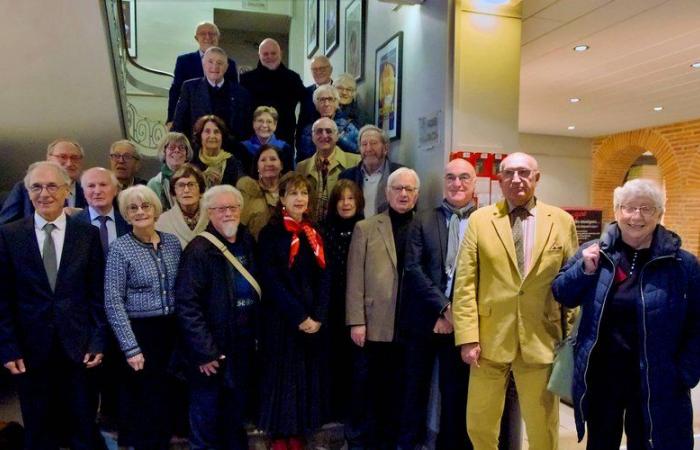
x,y
58,235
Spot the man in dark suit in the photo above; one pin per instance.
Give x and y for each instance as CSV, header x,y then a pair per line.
x,y
52,319
189,65
66,153
374,169
321,71
213,94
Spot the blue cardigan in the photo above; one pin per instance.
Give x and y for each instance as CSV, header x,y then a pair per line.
x,y
668,320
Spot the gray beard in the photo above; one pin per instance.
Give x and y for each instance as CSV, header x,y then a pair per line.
x,y
229,230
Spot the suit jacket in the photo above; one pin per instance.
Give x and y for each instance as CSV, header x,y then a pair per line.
x,y
492,303
18,205
195,102
32,316
355,174
372,278
188,66
122,226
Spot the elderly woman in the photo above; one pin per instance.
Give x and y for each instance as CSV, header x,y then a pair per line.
x,y
261,192
327,102
637,352
174,150
344,211
139,300
347,88
185,219
217,165
294,283
264,125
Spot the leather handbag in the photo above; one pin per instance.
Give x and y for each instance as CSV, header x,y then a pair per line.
x,y
562,377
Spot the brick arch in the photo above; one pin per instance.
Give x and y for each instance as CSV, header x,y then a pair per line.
x,y
612,158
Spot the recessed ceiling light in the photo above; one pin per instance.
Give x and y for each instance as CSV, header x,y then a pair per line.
x,y
658,108
581,48
695,65
571,127
574,100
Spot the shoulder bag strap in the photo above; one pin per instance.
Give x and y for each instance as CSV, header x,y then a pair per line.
x,y
233,260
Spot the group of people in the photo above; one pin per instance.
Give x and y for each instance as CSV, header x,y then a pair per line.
x,y
292,290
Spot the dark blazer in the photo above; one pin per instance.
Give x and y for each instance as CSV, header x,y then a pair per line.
x,y
195,102
122,226
355,174
188,66
308,113
31,315
18,205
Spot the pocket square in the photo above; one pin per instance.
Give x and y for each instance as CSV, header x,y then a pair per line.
x,y
555,247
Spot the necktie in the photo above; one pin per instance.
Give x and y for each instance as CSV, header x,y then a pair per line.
x,y
49,256
453,234
516,219
104,234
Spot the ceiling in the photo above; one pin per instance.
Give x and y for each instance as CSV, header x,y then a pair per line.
x,y
639,57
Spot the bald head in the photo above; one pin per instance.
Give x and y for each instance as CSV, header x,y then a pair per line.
x,y
270,53
518,177
460,178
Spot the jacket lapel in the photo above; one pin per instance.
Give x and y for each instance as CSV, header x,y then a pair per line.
x,y
203,93
543,228
32,244
384,226
70,240
501,223
441,228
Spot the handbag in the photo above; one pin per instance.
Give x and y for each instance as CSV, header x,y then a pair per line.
x,y
233,260
562,377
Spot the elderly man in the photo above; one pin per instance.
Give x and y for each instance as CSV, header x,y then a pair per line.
x,y
125,162
505,317
272,84
216,304
52,318
189,65
68,154
326,164
373,171
321,71
213,94
375,269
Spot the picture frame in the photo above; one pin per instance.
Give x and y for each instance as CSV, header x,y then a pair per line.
x,y
129,13
355,39
388,71
312,17
332,26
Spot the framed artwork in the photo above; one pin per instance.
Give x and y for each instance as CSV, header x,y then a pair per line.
x,y
129,12
355,39
387,86
311,27
332,25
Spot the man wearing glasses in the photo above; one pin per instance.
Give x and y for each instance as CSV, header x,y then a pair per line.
x,y
125,162
69,155
321,71
505,317
372,301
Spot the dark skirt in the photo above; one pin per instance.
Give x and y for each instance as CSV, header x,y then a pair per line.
x,y
146,396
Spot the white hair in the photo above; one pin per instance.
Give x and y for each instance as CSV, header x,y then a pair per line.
x,y
63,175
215,191
401,171
639,187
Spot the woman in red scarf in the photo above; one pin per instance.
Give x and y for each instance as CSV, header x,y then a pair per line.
x,y
295,287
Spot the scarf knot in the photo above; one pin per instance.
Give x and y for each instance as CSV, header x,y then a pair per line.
x,y
312,237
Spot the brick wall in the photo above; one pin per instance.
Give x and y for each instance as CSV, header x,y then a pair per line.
x,y
677,151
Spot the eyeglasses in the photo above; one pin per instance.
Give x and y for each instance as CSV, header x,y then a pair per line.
x,y
320,69
224,209
145,207
509,174
462,177
191,185
51,188
126,157
64,158
326,99
320,131
644,210
408,189
176,148
345,89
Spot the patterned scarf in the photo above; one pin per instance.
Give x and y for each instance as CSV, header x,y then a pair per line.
x,y
312,236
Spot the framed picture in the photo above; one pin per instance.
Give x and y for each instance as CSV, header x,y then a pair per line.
x,y
129,12
311,27
355,39
387,86
332,22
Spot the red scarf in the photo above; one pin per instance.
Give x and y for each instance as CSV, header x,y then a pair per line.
x,y
312,235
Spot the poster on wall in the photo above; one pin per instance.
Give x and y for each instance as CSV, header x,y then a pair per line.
x,y
129,14
332,24
311,27
355,39
589,222
387,86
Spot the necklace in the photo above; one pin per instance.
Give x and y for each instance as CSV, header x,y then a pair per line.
x,y
634,261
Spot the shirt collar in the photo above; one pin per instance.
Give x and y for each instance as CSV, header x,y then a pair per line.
x,y
218,85
39,221
378,172
94,214
528,206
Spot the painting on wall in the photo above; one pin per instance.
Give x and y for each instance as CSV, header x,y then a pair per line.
x,y
355,39
332,25
129,13
387,86
311,27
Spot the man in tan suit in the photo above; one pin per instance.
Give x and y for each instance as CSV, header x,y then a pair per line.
x,y
505,317
323,168
375,265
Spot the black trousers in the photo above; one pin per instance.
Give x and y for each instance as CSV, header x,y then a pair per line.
x,y
64,386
